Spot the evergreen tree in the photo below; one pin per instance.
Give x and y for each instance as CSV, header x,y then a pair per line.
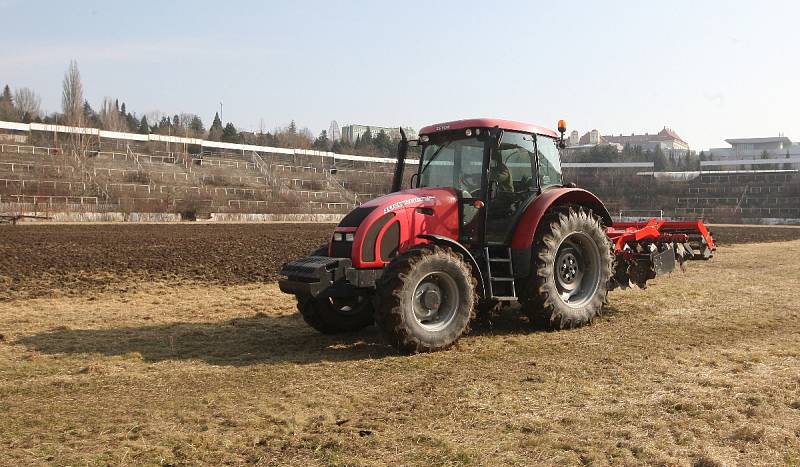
x,y
366,138
292,130
215,132
7,111
322,141
122,110
659,160
383,143
144,127
229,134
132,121
196,125
176,121
90,117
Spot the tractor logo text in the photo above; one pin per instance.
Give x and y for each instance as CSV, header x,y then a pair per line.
x,y
406,202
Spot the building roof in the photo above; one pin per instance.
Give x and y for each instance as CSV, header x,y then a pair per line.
x,y
489,123
666,134
771,139
670,133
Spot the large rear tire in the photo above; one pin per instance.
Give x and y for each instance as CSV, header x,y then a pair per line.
x,y
336,315
572,265
427,299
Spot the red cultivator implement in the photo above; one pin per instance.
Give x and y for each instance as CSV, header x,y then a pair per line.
x,y
487,221
644,250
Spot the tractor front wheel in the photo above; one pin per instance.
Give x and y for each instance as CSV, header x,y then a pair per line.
x,y
427,299
336,315
571,270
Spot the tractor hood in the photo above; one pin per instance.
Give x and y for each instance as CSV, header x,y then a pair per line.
x,y
373,233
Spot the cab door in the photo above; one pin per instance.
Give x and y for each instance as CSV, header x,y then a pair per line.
x,y
512,184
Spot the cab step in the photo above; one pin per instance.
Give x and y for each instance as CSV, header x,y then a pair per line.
x,y
500,282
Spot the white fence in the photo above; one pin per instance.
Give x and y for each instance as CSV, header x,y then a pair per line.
x,y
243,148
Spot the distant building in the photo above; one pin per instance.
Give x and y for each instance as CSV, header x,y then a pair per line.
x,y
666,139
590,139
774,147
351,133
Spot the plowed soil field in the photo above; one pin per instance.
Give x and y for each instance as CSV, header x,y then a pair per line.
x,y
39,260
47,260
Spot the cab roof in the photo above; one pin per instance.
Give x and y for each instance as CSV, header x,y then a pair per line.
x,y
488,123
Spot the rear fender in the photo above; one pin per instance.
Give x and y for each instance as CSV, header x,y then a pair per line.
x,y
528,225
448,242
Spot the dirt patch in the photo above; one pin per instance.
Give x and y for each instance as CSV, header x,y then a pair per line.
x,y
730,235
43,260
80,259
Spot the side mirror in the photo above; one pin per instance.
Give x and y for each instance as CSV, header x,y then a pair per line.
x,y
413,143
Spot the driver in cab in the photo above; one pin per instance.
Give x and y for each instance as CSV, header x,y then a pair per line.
x,y
499,174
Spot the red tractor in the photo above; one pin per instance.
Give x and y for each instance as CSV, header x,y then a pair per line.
x,y
487,221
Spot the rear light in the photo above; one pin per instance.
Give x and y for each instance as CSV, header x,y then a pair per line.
x,y
337,237
348,237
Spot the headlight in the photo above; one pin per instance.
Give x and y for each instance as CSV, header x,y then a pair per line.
x,y
348,237
337,237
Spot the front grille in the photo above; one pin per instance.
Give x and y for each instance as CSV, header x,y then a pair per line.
x,y
341,249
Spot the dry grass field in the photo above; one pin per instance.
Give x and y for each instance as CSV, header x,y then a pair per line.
x,y
148,365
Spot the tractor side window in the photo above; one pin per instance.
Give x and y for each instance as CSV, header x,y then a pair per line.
x,y
549,162
513,170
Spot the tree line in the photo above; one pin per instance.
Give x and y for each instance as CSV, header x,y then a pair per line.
x,y
662,160
24,105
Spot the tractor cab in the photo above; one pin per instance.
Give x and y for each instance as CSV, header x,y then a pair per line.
x,y
495,167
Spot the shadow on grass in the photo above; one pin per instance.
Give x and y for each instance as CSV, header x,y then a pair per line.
x,y
244,341
241,341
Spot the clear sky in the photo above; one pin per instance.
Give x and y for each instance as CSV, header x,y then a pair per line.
x,y
709,69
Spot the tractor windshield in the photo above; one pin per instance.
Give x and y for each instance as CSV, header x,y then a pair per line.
x,y
453,163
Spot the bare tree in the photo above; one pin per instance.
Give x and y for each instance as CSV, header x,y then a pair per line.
x,y
72,95
110,116
27,103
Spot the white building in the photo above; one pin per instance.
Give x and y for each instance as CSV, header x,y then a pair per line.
x,y
353,132
776,147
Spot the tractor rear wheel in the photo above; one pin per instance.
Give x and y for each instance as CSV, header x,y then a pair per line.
x,y
427,299
572,265
336,315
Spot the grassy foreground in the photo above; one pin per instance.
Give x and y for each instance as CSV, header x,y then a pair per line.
x,y
701,368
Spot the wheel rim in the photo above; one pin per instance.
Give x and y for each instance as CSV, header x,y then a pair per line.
x,y
435,301
577,269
